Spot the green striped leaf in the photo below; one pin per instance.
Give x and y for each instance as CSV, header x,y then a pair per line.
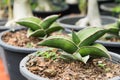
x,y
64,44
96,50
90,35
75,38
53,29
47,22
37,33
31,22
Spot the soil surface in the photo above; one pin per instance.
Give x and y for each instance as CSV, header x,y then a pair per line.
x,y
19,38
96,69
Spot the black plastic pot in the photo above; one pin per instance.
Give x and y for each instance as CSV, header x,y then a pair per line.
x,y
107,9
69,21
13,56
30,76
111,46
62,12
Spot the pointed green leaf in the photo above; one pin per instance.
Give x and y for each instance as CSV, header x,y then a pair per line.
x,y
47,22
96,50
61,43
75,38
112,28
31,22
54,24
53,29
89,35
37,33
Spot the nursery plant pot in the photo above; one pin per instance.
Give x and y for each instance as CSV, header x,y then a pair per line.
x,y
111,46
107,9
64,11
69,21
13,56
30,76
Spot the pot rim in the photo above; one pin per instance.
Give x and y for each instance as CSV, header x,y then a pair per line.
x,y
16,48
76,16
106,8
26,73
109,44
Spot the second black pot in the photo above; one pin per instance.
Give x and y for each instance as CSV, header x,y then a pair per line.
x,y
13,56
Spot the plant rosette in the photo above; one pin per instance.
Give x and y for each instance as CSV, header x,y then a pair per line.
x,y
79,58
20,42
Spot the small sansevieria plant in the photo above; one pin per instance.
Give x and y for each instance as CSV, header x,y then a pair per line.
x,y
81,45
40,28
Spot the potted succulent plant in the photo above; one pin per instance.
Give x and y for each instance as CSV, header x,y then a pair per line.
x,y
19,43
43,8
79,58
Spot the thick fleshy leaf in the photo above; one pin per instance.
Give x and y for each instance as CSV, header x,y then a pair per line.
x,y
112,28
53,29
89,35
30,22
64,44
37,33
47,22
75,38
96,50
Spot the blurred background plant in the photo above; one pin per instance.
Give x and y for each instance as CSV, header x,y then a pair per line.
x,y
47,5
82,5
3,8
116,9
